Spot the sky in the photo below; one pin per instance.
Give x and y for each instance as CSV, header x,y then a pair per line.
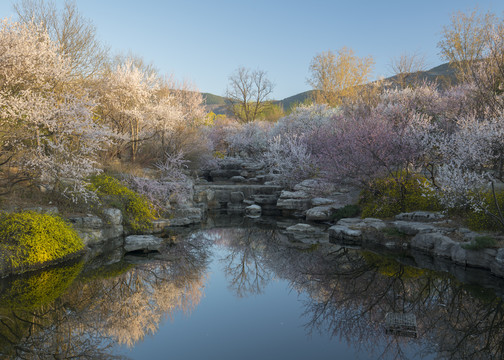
x,y
205,41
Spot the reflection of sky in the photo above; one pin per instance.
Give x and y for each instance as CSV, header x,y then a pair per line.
x,y
223,326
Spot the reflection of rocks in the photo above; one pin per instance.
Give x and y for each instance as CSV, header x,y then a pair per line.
x,y
307,234
253,210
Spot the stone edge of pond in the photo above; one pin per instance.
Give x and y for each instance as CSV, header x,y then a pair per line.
x,y
434,236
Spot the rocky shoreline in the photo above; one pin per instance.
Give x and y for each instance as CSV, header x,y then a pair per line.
x,y
243,189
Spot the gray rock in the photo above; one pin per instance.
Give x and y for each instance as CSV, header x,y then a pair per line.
x,y
319,213
186,216
90,221
306,234
497,265
339,233
262,199
113,216
480,258
236,197
434,243
294,195
363,224
142,242
421,216
159,225
305,228
238,179
459,254
413,228
253,210
321,201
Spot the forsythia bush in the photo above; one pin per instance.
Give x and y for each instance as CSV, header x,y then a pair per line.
x,y
387,197
138,212
29,238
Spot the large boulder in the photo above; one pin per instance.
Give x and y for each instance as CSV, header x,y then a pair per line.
x,y
413,228
319,213
142,242
435,243
253,210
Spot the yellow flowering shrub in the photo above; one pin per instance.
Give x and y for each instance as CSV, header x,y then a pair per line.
x,y
29,238
138,212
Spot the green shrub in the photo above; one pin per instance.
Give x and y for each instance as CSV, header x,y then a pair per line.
x,y
347,211
390,196
480,220
29,238
138,212
480,243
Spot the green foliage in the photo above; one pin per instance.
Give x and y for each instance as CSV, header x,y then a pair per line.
x,y
30,238
33,291
386,197
348,211
480,243
138,212
482,220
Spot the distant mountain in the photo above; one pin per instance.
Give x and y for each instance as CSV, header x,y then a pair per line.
x,y
212,99
443,74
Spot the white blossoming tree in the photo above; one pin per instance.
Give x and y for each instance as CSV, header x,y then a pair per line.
x,y
47,133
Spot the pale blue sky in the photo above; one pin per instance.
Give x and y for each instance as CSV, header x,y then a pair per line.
x,y
205,41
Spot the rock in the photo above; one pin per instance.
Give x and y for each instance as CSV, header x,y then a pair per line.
x,y
306,234
497,265
236,197
319,213
363,224
420,216
253,210
224,174
480,258
340,233
265,199
238,179
413,228
113,216
159,225
186,216
142,242
293,200
314,186
305,228
435,243
90,221
321,201
293,195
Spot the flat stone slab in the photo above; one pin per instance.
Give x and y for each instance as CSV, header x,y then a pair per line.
x,y
362,224
420,216
142,242
413,228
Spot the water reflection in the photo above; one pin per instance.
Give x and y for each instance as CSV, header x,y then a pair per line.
x,y
351,293
118,304
83,311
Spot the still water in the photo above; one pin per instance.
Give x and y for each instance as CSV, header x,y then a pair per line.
x,y
248,293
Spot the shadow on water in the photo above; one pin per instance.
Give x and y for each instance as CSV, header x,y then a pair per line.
x,y
372,302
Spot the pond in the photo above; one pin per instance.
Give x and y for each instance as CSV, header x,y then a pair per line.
x,y
248,293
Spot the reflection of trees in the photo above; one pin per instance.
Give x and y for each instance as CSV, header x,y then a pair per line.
x,y
351,292
98,311
243,265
